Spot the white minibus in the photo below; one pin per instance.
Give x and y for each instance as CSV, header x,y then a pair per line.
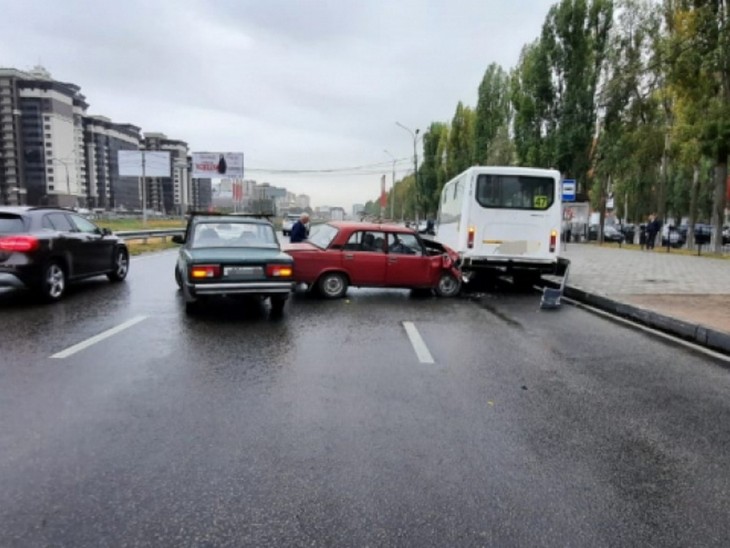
x,y
503,218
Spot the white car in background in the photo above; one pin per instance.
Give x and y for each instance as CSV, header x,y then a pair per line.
x,y
289,221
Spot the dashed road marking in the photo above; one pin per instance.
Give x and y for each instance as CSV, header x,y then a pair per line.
x,y
422,352
97,338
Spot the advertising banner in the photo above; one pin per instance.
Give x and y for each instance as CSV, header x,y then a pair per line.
x,y
212,165
132,163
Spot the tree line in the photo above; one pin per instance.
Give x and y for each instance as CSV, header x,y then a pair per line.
x,y
629,97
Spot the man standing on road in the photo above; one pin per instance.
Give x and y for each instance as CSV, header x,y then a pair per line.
x,y
299,231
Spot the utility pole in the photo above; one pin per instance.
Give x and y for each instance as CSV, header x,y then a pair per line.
x,y
414,134
144,191
392,187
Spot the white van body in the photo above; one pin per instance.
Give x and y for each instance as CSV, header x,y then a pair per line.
x,y
504,218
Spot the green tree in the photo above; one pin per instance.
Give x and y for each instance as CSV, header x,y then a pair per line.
x,y
532,98
699,67
492,112
428,173
460,152
502,149
630,140
575,38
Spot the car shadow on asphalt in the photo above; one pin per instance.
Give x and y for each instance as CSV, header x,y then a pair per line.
x,y
244,309
15,299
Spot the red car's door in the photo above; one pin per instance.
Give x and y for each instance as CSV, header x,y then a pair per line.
x,y
364,258
408,266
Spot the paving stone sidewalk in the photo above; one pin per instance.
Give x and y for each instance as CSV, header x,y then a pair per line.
x,y
689,288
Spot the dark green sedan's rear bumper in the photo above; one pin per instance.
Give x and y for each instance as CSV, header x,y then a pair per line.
x,y
241,288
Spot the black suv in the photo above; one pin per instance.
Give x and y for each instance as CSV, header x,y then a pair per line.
x,y
44,248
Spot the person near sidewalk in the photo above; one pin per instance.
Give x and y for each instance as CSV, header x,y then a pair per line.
x,y
299,231
652,230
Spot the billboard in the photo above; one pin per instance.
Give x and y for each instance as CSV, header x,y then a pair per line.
x,y
207,165
156,163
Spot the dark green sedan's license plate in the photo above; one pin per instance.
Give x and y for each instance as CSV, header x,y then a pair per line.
x,y
243,271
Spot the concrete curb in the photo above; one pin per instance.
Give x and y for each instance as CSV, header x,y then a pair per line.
x,y
696,333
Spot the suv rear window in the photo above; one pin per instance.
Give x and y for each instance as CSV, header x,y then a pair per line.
x,y
11,224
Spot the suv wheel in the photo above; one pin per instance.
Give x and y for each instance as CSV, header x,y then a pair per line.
x,y
53,284
121,266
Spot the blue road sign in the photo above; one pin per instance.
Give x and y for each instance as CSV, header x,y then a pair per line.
x,y
569,190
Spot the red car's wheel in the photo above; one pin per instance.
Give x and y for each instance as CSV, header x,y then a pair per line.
x,y
332,285
448,286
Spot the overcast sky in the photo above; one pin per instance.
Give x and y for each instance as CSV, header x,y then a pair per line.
x,y
293,84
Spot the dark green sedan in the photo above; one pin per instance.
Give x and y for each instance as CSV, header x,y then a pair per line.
x,y
223,255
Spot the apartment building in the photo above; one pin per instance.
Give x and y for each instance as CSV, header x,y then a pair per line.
x,y
201,198
303,201
103,139
41,139
12,187
53,153
169,195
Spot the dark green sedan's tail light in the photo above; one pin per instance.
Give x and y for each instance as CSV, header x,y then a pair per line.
x,y
279,271
205,271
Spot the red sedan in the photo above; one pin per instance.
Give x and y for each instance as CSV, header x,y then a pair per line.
x,y
340,254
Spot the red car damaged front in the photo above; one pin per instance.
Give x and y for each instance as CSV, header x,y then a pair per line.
x,y
341,254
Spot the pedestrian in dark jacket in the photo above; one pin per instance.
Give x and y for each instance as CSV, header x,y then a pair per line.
x,y
299,231
651,231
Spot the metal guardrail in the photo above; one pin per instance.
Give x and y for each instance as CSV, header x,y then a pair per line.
x,y
144,235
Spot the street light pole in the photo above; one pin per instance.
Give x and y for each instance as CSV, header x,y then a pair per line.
x,y
392,187
144,189
414,134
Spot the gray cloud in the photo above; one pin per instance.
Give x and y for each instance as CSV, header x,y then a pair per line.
x,y
293,84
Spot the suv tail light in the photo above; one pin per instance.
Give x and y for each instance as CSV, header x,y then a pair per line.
x,y
553,240
470,237
22,244
279,271
204,271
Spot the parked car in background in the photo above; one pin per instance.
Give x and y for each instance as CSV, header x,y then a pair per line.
x,y
673,236
288,223
45,248
342,254
629,232
703,233
224,255
610,233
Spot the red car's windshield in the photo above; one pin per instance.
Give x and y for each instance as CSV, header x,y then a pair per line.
x,y
322,235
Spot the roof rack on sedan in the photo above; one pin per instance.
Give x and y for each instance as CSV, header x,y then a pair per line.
x,y
37,208
240,214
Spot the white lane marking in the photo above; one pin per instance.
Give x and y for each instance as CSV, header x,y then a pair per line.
x,y
424,356
100,337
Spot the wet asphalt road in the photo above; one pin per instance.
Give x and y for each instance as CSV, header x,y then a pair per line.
x,y
323,428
